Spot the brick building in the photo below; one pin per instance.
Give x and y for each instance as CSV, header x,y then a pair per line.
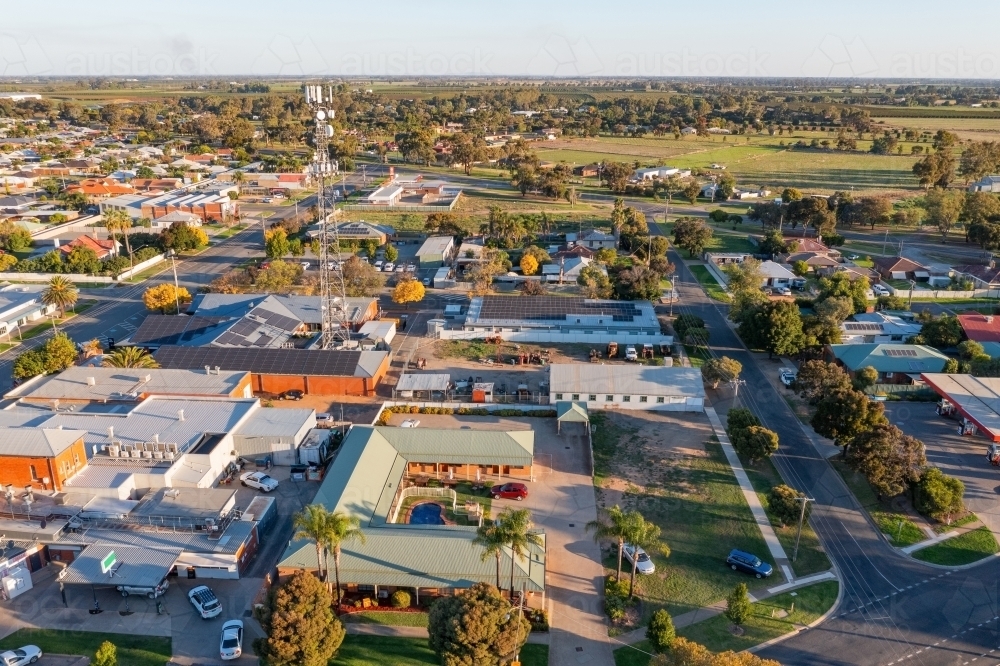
x,y
41,457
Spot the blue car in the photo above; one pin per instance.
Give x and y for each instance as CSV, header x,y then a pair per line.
x,y
742,561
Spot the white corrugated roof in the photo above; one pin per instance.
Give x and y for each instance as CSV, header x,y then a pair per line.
x,y
35,442
625,380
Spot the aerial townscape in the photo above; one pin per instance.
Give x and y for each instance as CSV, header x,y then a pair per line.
x,y
512,349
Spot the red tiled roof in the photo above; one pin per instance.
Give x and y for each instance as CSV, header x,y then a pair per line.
x,y
806,245
100,186
988,274
101,247
897,265
981,328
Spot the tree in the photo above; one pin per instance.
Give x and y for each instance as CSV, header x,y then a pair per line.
x,y
775,326
611,525
658,246
687,653
408,291
889,459
979,158
790,194
391,253
492,539
800,268
641,533
300,626
784,504
83,260
59,353
106,655
516,526
691,234
616,175
844,415
476,628
691,191
725,186
129,357
276,243
944,207
594,282
718,370
181,237
773,243
29,364
340,529
360,278
607,256
660,631
13,238
812,212
840,284
935,169
942,332
312,523
738,605
971,349
7,262
278,276
165,298
61,293
745,284
980,208
939,495
755,443
119,221
638,283
529,265
865,378
532,288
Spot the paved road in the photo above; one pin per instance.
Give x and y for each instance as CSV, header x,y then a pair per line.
x,y
892,606
119,310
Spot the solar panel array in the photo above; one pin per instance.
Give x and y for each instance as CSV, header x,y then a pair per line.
x,y
852,326
171,329
899,352
276,320
326,362
555,308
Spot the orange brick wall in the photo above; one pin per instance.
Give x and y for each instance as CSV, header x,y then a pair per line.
x,y
463,472
16,470
320,385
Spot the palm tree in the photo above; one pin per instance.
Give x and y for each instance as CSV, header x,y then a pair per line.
x,y
312,523
60,292
340,529
491,537
613,528
640,534
516,526
118,220
239,177
129,357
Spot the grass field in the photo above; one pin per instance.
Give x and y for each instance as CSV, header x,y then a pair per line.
x,y
900,535
386,618
963,549
133,650
715,634
709,283
390,651
699,508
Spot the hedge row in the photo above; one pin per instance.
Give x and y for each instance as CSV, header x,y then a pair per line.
x,y
383,418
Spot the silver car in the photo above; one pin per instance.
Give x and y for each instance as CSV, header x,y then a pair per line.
x,y
231,643
644,565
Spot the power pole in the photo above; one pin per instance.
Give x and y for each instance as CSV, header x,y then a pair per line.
x,y
735,383
177,298
802,517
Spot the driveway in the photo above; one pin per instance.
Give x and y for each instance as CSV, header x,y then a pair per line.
x,y
958,456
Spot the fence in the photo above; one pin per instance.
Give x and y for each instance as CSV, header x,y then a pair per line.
x,y
417,491
911,390
141,266
941,294
45,277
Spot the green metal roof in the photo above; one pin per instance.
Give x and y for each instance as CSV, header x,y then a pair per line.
x,y
461,447
890,358
572,412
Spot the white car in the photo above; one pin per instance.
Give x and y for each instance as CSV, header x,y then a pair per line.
x,y
781,291
267,200
231,643
205,602
426,282
645,565
258,480
401,268
631,354
379,264
409,423
28,654
387,268
787,376
324,419
411,268
879,290
305,265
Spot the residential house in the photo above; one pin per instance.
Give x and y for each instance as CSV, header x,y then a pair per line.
x,y
164,222
574,251
980,327
895,363
592,239
21,304
660,173
156,184
775,275
567,269
96,189
587,171
102,248
986,184
878,327
983,277
900,268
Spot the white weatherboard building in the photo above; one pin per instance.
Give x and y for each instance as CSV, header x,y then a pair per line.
x,y
674,389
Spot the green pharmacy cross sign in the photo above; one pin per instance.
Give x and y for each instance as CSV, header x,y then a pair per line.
x,y
108,562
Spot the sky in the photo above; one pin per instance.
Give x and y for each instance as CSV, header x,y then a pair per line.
x,y
899,40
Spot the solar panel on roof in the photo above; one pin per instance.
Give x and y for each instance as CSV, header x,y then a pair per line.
x,y
260,360
263,341
900,352
555,308
244,327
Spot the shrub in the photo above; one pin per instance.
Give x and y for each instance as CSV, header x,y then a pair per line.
x,y
785,505
106,655
660,632
400,599
539,619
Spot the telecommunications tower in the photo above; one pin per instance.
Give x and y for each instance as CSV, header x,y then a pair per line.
x,y
333,300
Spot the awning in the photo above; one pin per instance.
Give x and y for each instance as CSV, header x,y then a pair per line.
x,y
106,564
571,412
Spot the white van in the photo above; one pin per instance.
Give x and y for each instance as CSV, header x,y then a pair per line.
x,y
879,290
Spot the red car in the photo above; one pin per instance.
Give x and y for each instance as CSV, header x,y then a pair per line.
x,y
515,491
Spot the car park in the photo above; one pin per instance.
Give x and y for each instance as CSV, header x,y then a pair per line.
x,y
258,480
740,560
205,602
644,565
145,591
231,643
514,491
28,654
293,394
787,376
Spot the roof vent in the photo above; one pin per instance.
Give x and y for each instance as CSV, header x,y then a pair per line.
x,y
111,432
147,378
208,369
216,369
91,381
180,414
989,319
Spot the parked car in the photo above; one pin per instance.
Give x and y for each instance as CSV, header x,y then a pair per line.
x,y
515,491
378,264
879,290
631,354
258,480
387,268
231,643
293,394
146,591
267,200
401,268
205,602
305,265
645,565
28,654
324,420
409,423
781,291
426,282
787,376
411,268
739,560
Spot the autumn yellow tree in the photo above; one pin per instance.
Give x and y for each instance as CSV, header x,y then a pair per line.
x,y
165,298
529,265
408,291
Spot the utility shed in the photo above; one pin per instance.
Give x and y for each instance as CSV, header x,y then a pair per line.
x,y
421,386
274,432
635,386
436,251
